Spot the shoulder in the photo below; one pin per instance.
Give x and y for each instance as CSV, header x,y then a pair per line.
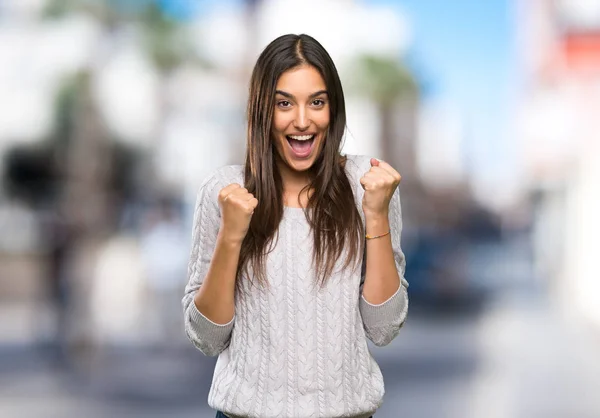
x,y
357,165
218,178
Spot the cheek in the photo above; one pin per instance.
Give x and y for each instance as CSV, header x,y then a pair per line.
x,y
322,121
280,123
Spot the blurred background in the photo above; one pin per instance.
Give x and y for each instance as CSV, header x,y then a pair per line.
x,y
113,112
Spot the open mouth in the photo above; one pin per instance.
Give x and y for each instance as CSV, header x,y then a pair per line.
x,y
301,145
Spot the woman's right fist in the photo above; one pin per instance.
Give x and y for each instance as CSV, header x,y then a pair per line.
x,y
237,206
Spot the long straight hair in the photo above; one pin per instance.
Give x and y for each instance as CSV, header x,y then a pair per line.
x,y
331,210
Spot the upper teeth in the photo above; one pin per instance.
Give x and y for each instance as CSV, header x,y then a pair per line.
x,y
301,138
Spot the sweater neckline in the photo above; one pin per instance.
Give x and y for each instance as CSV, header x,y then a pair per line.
x,y
292,212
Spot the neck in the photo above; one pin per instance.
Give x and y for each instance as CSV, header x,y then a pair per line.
x,y
292,180
293,183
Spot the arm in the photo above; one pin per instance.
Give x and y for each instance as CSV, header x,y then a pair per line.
x,y
384,299
208,302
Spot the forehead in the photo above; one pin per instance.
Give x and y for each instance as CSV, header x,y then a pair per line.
x,y
304,79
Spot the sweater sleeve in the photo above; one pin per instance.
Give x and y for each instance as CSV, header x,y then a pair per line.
x,y
209,337
382,322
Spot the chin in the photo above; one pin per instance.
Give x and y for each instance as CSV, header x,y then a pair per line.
x,y
301,165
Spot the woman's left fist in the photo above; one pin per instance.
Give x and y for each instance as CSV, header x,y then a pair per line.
x,y
379,183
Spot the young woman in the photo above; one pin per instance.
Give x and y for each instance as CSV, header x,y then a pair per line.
x,y
296,256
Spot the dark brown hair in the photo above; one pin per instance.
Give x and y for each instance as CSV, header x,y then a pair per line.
x,y
331,211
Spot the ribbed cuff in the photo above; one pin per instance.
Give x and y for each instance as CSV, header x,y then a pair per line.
x,y
211,330
385,312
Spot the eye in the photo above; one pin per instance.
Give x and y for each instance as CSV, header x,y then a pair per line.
x,y
318,102
283,103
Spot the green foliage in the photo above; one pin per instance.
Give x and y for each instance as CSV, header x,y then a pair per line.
x,y
162,39
383,79
55,9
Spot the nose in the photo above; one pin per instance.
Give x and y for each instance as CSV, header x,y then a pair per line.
x,y
301,122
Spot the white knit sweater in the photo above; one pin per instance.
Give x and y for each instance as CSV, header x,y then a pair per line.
x,y
293,351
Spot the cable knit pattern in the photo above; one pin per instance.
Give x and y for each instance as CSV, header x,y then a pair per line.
x,y
293,350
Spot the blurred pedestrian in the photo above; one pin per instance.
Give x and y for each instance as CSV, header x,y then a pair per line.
x,y
296,257
163,251
57,233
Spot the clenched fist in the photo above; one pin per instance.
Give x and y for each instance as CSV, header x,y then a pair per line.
x,y
379,184
237,206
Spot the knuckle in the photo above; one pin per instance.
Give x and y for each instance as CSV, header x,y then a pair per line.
x,y
225,191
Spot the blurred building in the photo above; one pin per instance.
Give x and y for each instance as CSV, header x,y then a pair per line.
x,y
559,124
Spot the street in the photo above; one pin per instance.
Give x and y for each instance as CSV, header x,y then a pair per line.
x,y
518,358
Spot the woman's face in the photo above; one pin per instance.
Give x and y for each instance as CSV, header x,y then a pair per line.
x,y
301,117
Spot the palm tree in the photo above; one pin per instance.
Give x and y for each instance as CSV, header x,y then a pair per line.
x,y
85,149
162,39
393,90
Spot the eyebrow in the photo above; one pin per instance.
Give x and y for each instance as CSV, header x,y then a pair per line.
x,y
291,96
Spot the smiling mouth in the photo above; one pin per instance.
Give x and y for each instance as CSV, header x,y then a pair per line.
x,y
301,144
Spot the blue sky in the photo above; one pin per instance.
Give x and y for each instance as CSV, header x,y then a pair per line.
x,y
465,50
466,45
